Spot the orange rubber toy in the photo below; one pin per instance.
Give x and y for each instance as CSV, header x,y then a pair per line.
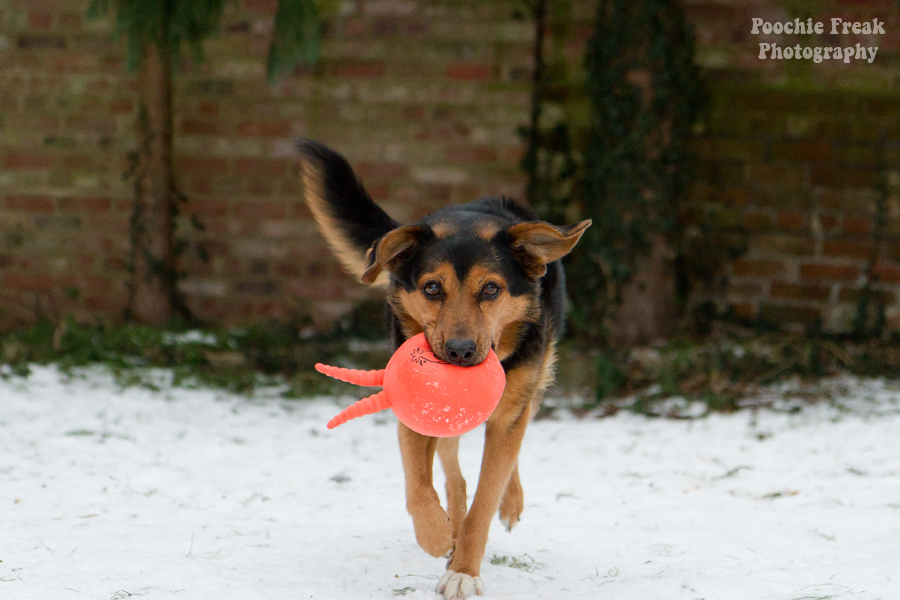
x,y
428,395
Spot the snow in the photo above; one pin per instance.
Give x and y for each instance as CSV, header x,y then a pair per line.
x,y
192,493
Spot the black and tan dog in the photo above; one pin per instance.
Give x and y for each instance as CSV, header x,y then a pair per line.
x,y
473,277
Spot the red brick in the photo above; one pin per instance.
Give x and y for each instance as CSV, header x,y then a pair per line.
x,y
514,154
887,273
261,166
208,108
856,225
260,209
42,204
793,220
40,20
859,250
197,185
202,166
267,7
744,312
260,185
275,311
86,204
78,162
468,71
34,283
392,8
472,154
748,267
264,129
200,127
121,106
828,222
829,272
842,178
28,161
319,290
380,192
797,291
381,170
356,69
416,113
289,270
802,151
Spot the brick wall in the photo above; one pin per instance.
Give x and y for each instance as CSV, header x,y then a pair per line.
x,y
424,98
798,164
798,167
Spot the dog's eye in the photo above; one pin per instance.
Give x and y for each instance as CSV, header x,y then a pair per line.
x,y
490,290
432,289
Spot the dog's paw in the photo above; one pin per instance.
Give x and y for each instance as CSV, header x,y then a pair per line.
x,y
453,586
511,508
510,518
432,526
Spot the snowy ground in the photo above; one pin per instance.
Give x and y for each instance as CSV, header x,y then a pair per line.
x,y
109,493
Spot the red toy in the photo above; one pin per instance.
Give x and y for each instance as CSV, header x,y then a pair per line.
x,y
428,395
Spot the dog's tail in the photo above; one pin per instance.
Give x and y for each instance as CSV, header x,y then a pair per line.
x,y
348,218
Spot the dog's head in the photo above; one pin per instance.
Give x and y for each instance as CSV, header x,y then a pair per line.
x,y
469,280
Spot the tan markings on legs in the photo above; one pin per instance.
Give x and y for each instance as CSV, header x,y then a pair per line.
x,y
513,501
430,521
502,441
448,450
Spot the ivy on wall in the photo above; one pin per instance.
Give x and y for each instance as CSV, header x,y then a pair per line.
x,y
628,168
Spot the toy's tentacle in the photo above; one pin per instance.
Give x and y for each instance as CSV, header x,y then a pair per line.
x,y
368,378
366,406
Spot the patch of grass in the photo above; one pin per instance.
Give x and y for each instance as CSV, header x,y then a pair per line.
x,y
683,378
719,370
524,562
237,360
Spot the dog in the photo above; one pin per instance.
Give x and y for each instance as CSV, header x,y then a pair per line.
x,y
472,277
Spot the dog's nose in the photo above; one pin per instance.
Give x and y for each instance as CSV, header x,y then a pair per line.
x,y
461,351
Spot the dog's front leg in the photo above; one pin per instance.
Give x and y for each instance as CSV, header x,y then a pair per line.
x,y
503,438
430,521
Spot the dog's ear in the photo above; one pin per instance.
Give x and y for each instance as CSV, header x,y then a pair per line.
x,y
388,249
537,243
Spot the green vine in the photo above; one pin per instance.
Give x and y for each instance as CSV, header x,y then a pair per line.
x,y
870,319
628,170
